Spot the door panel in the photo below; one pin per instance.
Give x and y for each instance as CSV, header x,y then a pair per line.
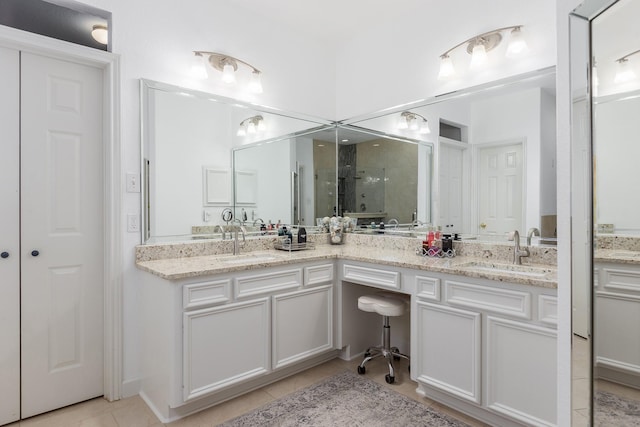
x,y
62,219
500,188
9,237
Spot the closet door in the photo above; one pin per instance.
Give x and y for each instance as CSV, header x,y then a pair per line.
x,y
9,237
61,233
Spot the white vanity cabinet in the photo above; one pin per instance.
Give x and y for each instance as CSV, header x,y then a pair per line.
x,y
207,339
486,348
616,314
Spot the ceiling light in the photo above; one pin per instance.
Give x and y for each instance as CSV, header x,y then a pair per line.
x,y
414,121
517,44
252,125
229,66
198,69
479,45
625,73
100,33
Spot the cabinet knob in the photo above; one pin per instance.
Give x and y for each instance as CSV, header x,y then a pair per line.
x,y
35,253
4,255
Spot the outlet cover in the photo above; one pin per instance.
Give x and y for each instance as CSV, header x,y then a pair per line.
x,y
133,223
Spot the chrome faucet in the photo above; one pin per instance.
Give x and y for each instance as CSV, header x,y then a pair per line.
x,y
257,220
517,252
532,232
236,243
393,222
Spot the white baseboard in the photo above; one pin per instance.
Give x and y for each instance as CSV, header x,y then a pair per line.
x,y
130,388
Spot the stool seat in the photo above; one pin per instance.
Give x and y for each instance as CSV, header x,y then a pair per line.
x,y
387,305
383,304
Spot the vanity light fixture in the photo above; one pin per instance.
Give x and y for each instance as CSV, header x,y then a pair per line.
x,y
479,45
624,72
226,64
100,33
251,125
414,121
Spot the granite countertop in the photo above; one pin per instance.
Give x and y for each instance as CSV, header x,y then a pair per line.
x,y
194,266
620,256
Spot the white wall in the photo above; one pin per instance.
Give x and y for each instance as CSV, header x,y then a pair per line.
x,y
396,62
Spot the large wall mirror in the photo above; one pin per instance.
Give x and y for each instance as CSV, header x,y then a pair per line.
x,y
486,167
606,213
495,151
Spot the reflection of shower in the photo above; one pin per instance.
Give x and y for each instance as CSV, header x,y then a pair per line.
x,y
370,186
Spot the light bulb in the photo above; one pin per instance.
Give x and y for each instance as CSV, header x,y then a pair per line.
x,y
625,73
255,85
241,131
424,127
478,56
228,73
403,123
100,34
261,125
251,127
446,67
517,44
198,69
413,124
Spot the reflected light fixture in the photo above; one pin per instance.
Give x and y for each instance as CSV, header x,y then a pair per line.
x,y
226,64
414,121
479,45
625,73
100,33
252,125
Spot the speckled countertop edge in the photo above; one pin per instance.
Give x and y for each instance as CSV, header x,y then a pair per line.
x,y
195,266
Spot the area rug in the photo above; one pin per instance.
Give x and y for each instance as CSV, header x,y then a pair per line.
x,y
612,410
345,399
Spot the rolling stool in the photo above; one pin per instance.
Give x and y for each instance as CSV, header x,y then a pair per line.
x,y
387,305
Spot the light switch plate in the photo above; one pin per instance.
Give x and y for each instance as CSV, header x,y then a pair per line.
x,y
133,183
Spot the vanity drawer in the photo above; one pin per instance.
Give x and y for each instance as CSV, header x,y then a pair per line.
x,y
500,301
371,276
267,282
428,288
316,274
198,295
548,309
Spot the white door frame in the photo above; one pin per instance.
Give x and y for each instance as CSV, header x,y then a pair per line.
x,y
110,64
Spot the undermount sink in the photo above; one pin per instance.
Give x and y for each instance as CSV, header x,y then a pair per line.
x,y
248,258
509,269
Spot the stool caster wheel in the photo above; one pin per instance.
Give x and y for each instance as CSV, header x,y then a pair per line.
x,y
367,354
396,358
361,370
389,379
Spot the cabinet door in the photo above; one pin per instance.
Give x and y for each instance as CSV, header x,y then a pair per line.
x,y
521,371
224,345
302,324
449,350
9,237
616,346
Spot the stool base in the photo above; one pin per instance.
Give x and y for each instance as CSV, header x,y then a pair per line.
x,y
385,350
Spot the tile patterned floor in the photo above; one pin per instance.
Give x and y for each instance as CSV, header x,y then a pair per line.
x,y
133,412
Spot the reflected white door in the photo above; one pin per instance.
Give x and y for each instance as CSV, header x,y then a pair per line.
x,y
500,188
62,233
9,237
450,188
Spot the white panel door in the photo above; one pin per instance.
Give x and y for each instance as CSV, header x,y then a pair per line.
x,y
62,233
225,345
450,188
449,343
500,189
302,324
521,371
9,236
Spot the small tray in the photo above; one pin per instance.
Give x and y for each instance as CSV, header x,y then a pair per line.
x,y
293,246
